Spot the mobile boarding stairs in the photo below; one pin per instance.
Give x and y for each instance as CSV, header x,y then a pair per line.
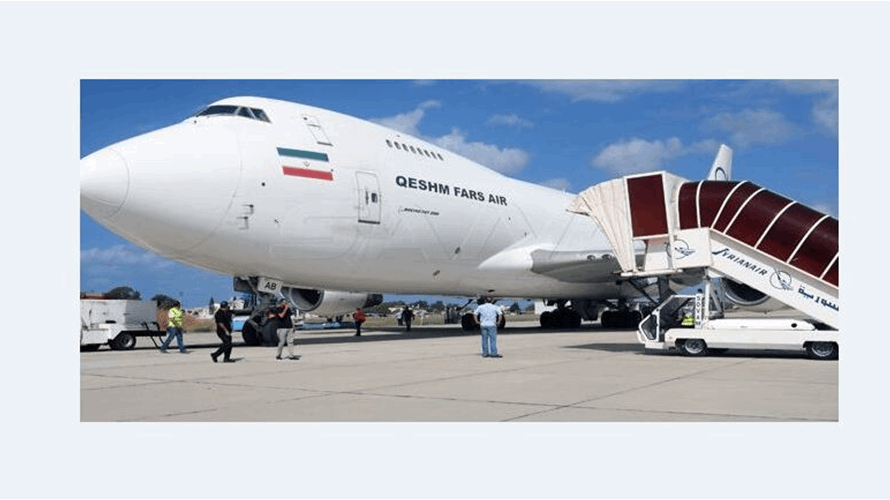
x,y
661,225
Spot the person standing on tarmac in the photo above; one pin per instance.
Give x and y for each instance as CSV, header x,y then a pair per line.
x,y
359,317
285,330
223,318
174,328
487,315
407,316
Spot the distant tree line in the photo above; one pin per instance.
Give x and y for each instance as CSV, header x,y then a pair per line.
x,y
436,307
128,293
166,302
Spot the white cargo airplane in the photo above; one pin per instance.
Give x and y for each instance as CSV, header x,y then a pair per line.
x,y
294,200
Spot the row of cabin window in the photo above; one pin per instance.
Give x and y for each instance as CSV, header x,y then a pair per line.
x,y
419,151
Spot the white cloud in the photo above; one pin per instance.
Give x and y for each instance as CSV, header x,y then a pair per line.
x,y
123,255
825,114
120,265
407,122
504,160
560,183
510,121
753,126
825,110
639,155
607,90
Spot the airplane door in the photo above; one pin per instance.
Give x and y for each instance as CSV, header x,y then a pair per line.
x,y
368,198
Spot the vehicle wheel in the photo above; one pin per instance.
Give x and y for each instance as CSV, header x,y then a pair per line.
x,y
467,323
693,347
124,341
546,319
90,347
576,320
570,319
502,323
249,334
822,350
607,319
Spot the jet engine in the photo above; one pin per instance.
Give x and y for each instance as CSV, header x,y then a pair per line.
x,y
330,303
749,299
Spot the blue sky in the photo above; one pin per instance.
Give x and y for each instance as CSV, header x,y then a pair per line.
x,y
792,149
564,134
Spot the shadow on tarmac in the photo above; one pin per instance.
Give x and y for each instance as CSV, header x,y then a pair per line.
x,y
343,336
622,348
728,353
324,337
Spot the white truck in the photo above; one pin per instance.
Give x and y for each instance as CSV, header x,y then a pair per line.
x,y
116,323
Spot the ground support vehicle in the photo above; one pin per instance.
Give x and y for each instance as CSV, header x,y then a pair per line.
x,y
774,253
663,329
117,323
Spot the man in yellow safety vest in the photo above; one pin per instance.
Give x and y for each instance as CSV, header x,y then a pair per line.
x,y
174,328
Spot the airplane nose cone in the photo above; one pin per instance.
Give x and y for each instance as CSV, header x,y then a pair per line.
x,y
104,182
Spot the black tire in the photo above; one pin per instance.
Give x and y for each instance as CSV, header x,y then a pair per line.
x,y
576,320
468,322
693,347
124,341
822,350
607,319
546,319
249,334
570,319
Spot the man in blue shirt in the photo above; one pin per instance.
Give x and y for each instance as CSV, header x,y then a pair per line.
x,y
487,315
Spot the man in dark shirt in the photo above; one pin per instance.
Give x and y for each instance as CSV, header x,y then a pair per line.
x,y
285,330
223,319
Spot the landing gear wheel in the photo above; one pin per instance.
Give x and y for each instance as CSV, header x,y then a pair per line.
x,y
570,319
124,341
607,319
693,347
822,350
249,334
546,319
468,323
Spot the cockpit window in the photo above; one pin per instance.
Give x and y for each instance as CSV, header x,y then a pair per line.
x,y
218,109
229,110
260,114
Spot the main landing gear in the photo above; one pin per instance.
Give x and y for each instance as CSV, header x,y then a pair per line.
x,y
468,322
620,318
562,317
254,332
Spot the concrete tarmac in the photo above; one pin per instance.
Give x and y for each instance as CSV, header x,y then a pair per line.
x,y
437,374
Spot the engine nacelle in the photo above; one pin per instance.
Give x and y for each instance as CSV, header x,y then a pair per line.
x,y
749,299
330,303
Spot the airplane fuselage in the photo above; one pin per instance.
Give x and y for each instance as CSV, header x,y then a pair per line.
x,y
318,199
